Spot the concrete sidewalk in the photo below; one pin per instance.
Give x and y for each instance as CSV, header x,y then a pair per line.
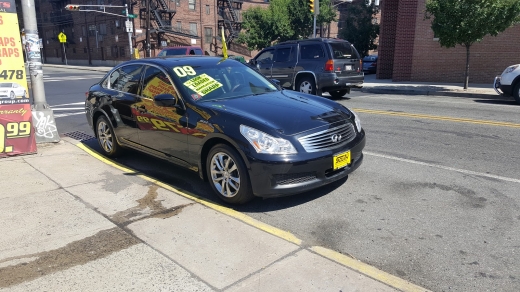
x,y
75,221
385,86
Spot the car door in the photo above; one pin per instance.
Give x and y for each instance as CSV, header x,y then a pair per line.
x,y
283,65
161,127
121,93
264,62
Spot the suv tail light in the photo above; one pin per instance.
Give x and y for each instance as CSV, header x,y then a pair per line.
x,y
329,66
360,65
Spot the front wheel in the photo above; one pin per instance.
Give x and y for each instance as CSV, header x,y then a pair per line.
x,y
227,175
516,92
12,95
107,138
337,94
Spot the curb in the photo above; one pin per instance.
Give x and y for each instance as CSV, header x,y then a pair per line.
x,y
430,93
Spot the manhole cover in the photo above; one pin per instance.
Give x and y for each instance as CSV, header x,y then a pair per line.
x,y
80,136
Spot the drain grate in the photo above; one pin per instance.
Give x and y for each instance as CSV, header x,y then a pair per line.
x,y
80,136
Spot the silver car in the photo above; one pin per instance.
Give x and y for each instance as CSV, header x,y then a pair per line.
x,y
508,83
12,90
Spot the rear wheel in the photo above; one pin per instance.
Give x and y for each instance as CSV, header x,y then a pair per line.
x,y
516,92
337,94
227,175
107,138
306,85
12,95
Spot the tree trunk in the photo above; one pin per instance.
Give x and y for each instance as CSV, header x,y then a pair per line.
x,y
466,73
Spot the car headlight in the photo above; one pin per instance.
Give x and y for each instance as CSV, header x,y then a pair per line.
x,y
264,143
510,69
356,120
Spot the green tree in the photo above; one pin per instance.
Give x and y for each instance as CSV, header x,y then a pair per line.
x,y
358,27
464,22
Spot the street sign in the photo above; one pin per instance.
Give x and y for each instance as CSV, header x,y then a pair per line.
x,y
62,37
129,26
132,15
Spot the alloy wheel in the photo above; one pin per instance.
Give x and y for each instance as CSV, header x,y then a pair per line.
x,y
306,87
105,136
225,175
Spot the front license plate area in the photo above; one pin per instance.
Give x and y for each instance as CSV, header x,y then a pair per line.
x,y
341,160
348,67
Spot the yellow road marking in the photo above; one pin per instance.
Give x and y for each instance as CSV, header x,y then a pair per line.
x,y
439,118
346,261
368,270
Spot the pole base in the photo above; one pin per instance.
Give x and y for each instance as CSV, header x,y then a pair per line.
x,y
45,126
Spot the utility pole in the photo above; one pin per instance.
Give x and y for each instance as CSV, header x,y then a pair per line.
x,y
148,45
87,37
43,117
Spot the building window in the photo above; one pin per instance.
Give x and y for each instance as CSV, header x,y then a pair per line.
x,y
193,28
207,9
177,3
208,34
102,28
84,31
122,51
191,4
85,50
179,26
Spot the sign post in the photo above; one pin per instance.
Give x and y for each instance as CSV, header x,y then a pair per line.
x,y
17,135
63,39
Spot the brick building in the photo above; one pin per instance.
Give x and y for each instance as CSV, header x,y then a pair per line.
x,y
102,38
408,50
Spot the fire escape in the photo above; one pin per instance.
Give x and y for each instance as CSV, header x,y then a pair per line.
x,y
229,18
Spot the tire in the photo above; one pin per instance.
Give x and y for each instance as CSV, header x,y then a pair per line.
x,y
12,95
24,94
338,94
516,92
306,85
107,138
227,175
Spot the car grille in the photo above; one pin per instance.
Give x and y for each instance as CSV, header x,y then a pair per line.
x,y
324,140
293,178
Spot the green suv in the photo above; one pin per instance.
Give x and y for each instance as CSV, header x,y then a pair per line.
x,y
313,66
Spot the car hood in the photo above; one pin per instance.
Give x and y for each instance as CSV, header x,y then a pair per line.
x,y
288,112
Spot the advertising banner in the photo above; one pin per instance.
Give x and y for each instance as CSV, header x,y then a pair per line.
x,y
16,130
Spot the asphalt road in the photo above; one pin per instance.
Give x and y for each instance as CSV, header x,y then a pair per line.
x,y
435,202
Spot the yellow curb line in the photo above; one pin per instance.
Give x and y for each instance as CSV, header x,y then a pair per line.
x,y
346,261
368,270
439,118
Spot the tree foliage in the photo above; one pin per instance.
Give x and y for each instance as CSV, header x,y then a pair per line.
x,y
283,20
464,22
358,28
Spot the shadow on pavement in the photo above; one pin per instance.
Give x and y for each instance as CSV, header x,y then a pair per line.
x,y
189,182
497,101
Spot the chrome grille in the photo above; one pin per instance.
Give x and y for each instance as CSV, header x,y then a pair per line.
x,y
323,140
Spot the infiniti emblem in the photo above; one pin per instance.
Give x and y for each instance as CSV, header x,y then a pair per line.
x,y
335,138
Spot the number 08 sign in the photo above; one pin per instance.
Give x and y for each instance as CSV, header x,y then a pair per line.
x,y
16,130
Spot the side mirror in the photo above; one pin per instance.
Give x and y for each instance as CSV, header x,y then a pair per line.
x,y
252,62
277,83
165,99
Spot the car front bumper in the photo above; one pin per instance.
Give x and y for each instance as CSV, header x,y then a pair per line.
x,y
274,179
501,89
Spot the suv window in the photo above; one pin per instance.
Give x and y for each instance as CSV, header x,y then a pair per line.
x,y
126,79
265,57
310,52
156,82
343,50
283,55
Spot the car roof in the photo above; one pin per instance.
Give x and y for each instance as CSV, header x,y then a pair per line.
x,y
173,61
325,40
182,47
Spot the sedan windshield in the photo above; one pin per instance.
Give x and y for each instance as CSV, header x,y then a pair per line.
x,y
6,85
221,80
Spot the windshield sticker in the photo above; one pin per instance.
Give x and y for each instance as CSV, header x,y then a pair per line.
x,y
196,96
184,71
203,84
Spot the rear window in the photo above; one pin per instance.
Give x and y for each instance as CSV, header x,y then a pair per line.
x,y
173,52
369,59
343,50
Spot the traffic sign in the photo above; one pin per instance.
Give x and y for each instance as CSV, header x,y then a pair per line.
x,y
129,26
132,15
62,37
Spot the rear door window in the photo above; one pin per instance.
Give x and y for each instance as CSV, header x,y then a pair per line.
x,y
283,55
343,50
126,79
311,52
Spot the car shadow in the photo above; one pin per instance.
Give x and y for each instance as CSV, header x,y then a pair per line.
x,y
189,182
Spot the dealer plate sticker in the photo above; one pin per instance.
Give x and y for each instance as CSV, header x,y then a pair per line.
x,y
341,160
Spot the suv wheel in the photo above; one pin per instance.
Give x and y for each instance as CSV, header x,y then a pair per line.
x,y
338,94
306,85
